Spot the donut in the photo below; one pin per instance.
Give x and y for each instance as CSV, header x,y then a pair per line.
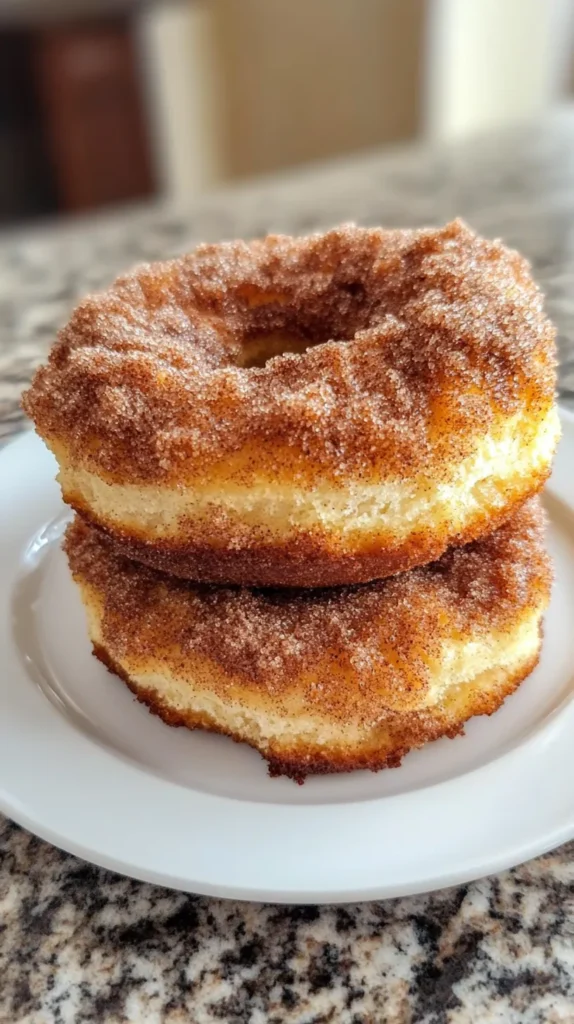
x,y
324,680
305,412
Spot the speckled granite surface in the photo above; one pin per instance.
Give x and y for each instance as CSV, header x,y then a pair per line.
x,y
78,944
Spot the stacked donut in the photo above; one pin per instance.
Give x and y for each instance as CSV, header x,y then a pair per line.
x,y
304,472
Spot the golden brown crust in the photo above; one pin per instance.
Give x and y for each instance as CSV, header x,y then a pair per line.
x,y
408,731
365,655
308,559
435,336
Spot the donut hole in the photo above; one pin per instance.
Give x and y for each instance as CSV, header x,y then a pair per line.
x,y
354,288
276,322
260,348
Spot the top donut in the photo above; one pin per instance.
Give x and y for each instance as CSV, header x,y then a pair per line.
x,y
305,411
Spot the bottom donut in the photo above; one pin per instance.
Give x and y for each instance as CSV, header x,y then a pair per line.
x,y
324,681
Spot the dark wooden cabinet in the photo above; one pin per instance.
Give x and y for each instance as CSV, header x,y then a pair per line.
x,y
94,125
26,183
73,124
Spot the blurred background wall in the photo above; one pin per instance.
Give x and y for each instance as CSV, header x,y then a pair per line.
x,y
108,101
308,80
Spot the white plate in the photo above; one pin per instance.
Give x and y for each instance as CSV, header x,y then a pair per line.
x,y
86,767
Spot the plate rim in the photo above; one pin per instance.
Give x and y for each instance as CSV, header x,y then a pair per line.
x,y
27,445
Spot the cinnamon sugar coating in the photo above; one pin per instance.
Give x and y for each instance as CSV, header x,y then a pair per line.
x,y
419,342
270,638
367,655
309,559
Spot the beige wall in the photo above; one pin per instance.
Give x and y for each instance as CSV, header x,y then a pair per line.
x,y
181,76
494,62
242,87
307,79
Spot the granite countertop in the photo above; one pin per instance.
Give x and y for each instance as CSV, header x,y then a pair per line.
x,y
79,944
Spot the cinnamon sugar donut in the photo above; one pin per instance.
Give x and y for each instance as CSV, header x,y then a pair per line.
x,y
305,411
324,680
